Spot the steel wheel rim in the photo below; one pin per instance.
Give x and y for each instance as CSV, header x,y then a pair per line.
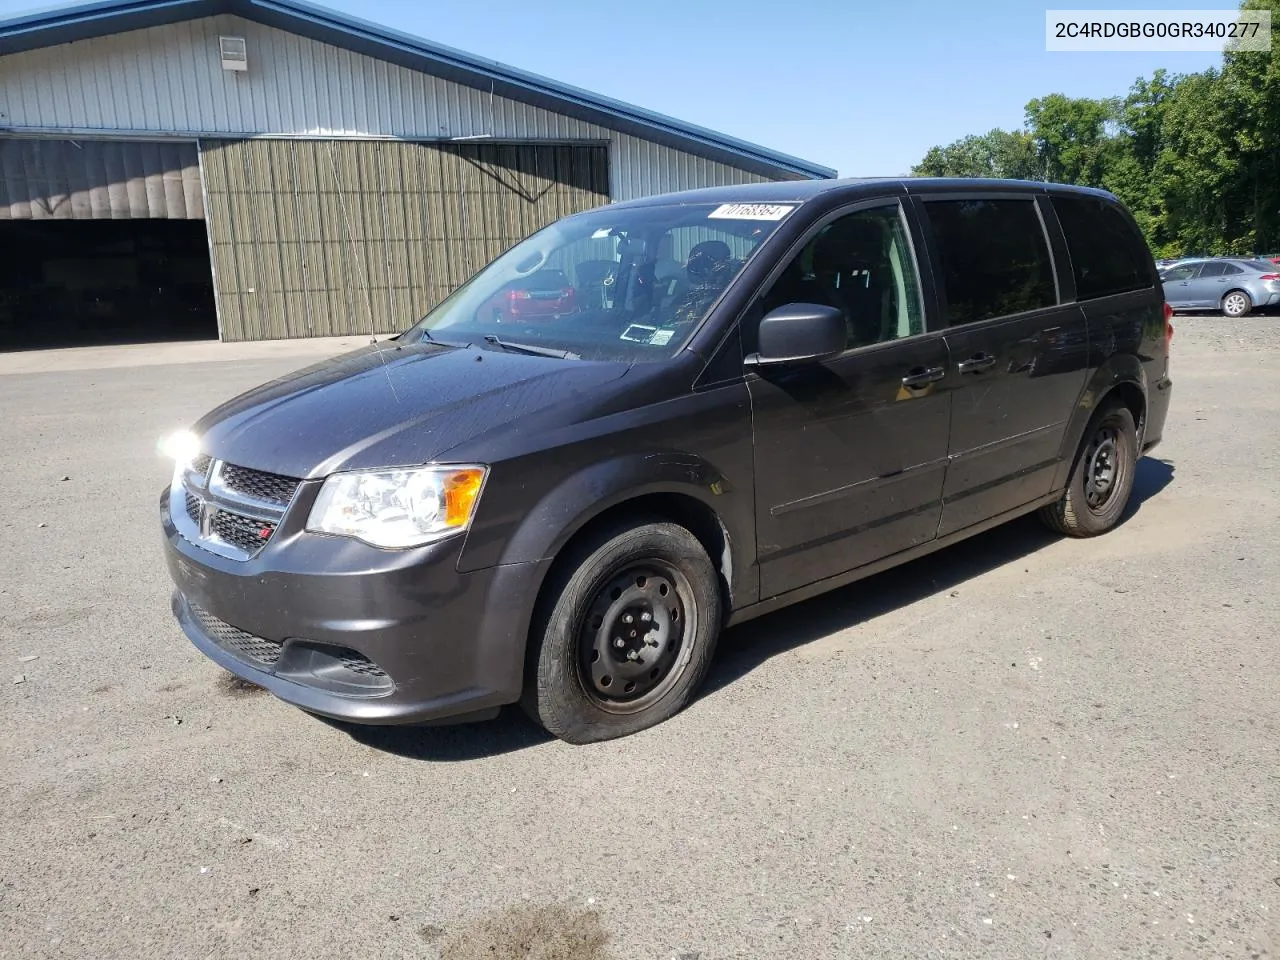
x,y
1235,304
1104,468
633,640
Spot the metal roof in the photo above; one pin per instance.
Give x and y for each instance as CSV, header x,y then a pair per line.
x,y
83,21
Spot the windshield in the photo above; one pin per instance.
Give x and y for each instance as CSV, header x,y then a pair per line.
x,y
612,284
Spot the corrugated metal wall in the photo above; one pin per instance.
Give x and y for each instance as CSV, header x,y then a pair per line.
x,y
321,238
167,80
99,180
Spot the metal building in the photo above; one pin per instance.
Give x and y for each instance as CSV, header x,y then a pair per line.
x,y
257,169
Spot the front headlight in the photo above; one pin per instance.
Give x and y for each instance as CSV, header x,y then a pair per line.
x,y
398,508
183,447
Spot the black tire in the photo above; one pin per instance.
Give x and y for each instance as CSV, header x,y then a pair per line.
x,y
593,675
1101,478
1236,304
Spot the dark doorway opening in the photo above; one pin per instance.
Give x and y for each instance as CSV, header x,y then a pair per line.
x,y
87,282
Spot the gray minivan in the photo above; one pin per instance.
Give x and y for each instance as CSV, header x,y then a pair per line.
x,y
659,418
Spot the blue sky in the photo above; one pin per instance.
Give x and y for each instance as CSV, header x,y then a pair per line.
x,y
865,88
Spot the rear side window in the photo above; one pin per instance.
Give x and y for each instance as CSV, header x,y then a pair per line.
x,y
1108,255
994,259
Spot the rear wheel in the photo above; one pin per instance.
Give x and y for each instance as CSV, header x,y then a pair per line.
x,y
629,636
1236,303
1102,478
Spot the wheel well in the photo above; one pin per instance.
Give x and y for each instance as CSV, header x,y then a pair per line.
x,y
689,512
1130,394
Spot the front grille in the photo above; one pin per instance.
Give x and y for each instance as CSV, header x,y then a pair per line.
x,y
259,484
236,641
193,509
359,663
200,465
247,533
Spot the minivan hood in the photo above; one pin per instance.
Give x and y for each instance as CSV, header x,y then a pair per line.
x,y
389,405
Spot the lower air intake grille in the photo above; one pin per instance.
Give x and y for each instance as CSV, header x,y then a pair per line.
x,y
236,641
359,663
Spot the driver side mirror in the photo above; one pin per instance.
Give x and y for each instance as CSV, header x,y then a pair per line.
x,y
799,333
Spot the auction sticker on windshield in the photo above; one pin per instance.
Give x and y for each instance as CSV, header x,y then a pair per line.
x,y
750,211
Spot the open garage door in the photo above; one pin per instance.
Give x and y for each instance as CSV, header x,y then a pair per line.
x,y
324,238
104,242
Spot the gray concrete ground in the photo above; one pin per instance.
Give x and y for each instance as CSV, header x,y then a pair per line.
x,y
1021,747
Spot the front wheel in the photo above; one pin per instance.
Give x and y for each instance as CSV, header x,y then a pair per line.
x,y
1236,304
1102,478
629,636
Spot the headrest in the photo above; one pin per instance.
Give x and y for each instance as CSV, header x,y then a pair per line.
x,y
706,256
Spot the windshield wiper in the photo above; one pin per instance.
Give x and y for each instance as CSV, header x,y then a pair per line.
x,y
531,349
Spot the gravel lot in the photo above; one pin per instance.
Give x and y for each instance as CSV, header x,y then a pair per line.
x,y
1021,747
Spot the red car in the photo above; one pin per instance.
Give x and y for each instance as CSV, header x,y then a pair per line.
x,y
541,296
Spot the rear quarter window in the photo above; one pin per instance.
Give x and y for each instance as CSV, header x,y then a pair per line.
x,y
1108,255
993,258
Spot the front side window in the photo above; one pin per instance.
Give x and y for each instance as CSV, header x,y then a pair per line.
x,y
863,264
993,258
1184,272
1108,255
611,284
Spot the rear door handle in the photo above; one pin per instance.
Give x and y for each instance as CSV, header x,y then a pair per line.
x,y
976,364
920,376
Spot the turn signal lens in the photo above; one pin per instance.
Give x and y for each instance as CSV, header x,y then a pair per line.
x,y
461,490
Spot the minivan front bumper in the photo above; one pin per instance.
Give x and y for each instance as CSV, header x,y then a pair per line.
x,y
356,633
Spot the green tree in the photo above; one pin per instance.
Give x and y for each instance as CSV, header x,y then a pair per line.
x,y
1072,137
997,153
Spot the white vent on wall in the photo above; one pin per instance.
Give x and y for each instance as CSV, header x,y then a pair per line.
x,y
235,55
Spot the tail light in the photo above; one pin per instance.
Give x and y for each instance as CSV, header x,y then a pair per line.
x,y
518,294
1270,276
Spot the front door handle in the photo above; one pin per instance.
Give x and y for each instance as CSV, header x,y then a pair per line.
x,y
976,364
922,376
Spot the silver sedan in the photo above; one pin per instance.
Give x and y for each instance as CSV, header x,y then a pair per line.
x,y
1234,286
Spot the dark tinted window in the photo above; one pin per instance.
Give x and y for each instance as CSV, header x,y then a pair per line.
x,y
861,263
1108,255
1230,269
1216,270
994,258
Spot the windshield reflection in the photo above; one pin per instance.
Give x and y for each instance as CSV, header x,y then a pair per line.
x,y
612,284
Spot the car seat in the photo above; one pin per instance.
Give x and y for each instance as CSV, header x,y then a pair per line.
x,y
851,271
